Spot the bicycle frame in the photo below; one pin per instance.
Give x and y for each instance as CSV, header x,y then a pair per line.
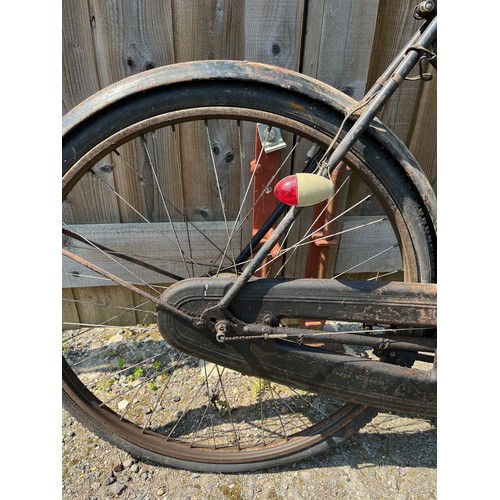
x,y
219,320
373,101
390,387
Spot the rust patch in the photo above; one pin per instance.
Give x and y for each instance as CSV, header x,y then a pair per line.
x,y
296,106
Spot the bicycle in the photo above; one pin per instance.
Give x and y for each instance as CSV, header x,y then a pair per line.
x,y
245,350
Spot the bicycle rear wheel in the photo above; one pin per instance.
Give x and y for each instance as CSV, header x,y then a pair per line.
x,y
158,188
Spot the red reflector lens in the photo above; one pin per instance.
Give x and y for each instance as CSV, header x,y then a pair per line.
x,y
287,190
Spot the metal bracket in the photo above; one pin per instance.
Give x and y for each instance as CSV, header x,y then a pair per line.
x,y
270,137
425,55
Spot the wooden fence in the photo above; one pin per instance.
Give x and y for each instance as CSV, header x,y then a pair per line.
x,y
341,42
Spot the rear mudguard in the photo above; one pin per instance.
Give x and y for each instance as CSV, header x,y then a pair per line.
x,y
265,75
350,378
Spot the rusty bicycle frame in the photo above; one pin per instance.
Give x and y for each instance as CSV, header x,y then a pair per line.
x,y
190,324
383,89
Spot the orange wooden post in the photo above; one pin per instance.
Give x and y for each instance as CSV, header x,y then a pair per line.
x,y
323,251
264,201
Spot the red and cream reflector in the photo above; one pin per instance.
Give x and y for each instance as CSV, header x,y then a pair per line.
x,y
302,190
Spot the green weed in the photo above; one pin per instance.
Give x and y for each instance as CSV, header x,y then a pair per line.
x,y
138,373
223,407
259,387
105,384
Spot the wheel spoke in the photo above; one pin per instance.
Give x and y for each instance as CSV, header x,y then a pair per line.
x,y
378,254
165,206
310,232
138,213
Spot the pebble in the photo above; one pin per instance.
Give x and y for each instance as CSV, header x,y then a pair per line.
x,y
160,492
176,399
115,338
126,478
109,480
118,468
122,404
134,468
118,488
195,475
128,463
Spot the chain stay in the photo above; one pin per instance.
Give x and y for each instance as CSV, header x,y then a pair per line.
x,y
374,340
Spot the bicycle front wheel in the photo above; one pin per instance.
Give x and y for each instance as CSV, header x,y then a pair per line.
x,y
168,184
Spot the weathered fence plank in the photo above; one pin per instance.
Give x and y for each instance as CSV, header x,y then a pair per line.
x,y
183,249
395,26
273,35
130,37
80,79
208,29
338,43
359,246
273,32
423,137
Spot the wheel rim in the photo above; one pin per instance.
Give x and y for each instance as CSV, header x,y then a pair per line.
x,y
89,349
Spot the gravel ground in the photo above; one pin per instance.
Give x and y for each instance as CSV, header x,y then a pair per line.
x,y
391,458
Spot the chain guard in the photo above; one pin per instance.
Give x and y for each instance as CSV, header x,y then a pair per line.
x,y
353,379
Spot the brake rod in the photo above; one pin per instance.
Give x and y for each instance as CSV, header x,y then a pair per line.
x,y
265,332
129,286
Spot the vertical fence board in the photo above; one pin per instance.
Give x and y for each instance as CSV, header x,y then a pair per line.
x,y
145,311
91,202
273,35
79,72
69,309
395,26
130,36
273,32
94,305
423,137
338,43
208,29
